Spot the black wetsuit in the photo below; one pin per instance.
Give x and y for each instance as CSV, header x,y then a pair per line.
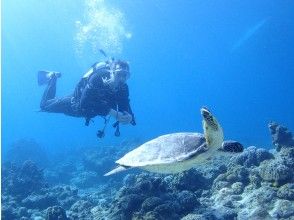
x,y
91,97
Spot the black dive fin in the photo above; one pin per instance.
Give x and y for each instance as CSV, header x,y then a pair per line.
x,y
44,76
232,146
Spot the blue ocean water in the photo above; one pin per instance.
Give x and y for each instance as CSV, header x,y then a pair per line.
x,y
234,57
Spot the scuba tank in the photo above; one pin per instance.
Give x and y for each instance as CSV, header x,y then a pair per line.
x,y
99,66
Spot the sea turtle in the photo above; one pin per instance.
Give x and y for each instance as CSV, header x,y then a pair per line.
x,y
176,152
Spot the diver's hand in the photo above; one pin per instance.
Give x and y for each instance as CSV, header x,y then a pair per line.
x,y
122,117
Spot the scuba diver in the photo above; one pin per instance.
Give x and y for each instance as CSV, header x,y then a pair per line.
x,y
101,91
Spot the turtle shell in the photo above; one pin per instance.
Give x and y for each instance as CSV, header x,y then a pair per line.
x,y
169,148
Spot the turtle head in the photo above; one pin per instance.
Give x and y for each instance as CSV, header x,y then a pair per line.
x,y
213,132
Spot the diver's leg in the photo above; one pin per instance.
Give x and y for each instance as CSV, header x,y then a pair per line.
x,y
79,89
59,105
50,103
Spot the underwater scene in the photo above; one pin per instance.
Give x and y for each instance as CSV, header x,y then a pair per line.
x,y
147,110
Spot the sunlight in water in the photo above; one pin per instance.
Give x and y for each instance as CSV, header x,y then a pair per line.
x,y
103,28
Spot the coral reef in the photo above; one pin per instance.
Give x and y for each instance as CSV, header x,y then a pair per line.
x,y
224,188
62,172
85,167
21,181
252,156
281,137
275,172
81,210
26,195
56,212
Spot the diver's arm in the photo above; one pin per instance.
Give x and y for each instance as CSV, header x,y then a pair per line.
x,y
124,102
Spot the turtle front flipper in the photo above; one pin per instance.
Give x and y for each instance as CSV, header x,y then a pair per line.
x,y
232,147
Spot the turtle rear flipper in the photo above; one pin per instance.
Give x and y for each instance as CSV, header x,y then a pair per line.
x,y
116,170
232,147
